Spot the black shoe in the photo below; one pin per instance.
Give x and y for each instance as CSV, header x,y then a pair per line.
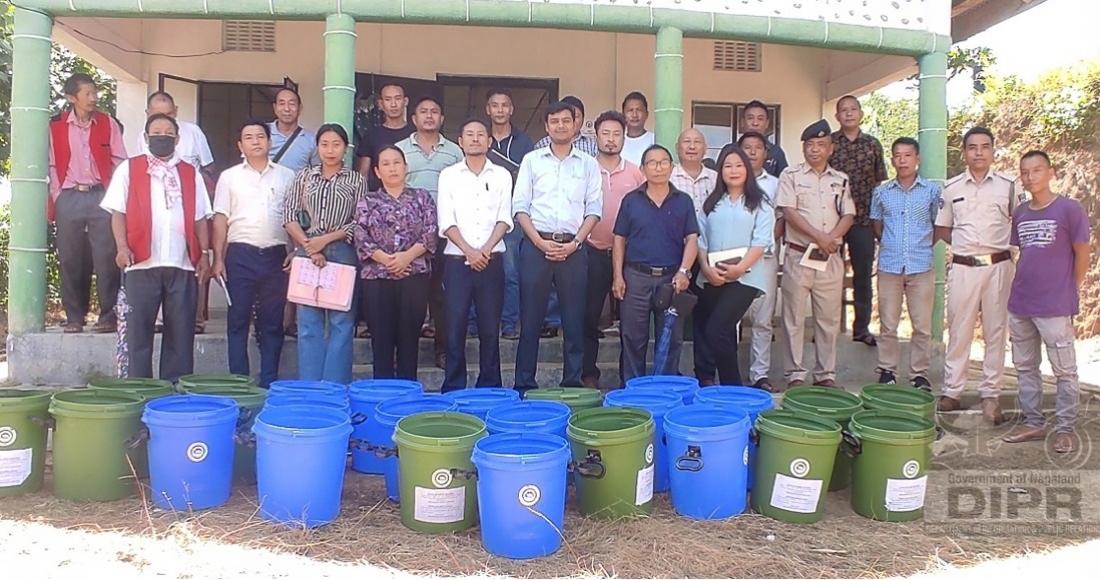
x,y
549,332
866,338
510,335
887,378
765,385
921,383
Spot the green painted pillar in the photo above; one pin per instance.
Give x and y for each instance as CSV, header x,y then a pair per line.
x,y
669,80
30,117
339,89
933,149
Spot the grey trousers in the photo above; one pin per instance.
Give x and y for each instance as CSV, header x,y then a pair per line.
x,y
635,316
1028,335
175,291
85,245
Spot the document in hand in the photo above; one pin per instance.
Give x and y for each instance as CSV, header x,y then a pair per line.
x,y
810,258
330,287
728,257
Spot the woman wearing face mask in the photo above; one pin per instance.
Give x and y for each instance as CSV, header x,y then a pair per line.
x,y
320,218
734,217
396,233
159,210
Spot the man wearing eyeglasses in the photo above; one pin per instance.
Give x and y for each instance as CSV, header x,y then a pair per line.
x,y
655,245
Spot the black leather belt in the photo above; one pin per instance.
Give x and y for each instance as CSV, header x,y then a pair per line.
x,y
592,248
651,271
555,237
983,259
797,247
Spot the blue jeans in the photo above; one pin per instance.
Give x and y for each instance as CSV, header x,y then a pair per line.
x,y
326,356
540,276
255,280
509,318
464,288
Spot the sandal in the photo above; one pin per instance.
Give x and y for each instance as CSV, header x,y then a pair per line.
x,y
72,328
363,332
200,327
427,331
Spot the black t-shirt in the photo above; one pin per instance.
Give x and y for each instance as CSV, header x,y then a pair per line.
x,y
377,138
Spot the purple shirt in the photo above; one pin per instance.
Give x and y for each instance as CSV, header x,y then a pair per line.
x,y
394,225
1044,286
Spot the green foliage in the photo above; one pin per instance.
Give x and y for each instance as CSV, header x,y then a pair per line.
x,y
888,118
53,268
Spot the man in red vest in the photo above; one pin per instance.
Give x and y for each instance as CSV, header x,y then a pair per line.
x,y
85,147
159,211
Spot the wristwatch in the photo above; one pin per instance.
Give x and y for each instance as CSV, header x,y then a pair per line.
x,y
685,272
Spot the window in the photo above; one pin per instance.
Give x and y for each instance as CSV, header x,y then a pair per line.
x,y
720,123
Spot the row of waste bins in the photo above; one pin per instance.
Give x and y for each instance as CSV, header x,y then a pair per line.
x,y
478,455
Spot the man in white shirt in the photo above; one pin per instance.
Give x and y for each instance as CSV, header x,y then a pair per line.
x,y
761,315
250,250
690,175
636,111
475,211
159,210
557,202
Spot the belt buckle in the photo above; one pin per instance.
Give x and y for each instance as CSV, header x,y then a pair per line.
x,y
83,188
656,272
558,237
983,260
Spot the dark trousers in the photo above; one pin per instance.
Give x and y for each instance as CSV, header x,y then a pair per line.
x,y
175,293
599,286
395,312
257,284
861,252
636,316
83,236
485,290
435,299
720,310
537,276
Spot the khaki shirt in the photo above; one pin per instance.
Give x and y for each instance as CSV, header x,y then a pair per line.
x,y
822,199
979,213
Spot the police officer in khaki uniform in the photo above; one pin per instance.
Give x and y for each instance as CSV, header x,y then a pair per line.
x,y
976,220
818,209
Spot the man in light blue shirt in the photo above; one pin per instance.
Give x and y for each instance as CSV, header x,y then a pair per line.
x,y
292,145
902,214
557,201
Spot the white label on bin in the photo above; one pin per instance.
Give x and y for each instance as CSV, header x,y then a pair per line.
x,y
644,491
800,496
439,506
529,495
197,452
15,467
905,495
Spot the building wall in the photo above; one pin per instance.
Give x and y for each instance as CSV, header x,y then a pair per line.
x,y
599,67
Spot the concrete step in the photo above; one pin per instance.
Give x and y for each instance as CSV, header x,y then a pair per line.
x,y
546,374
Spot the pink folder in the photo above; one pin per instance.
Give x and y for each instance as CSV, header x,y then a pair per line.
x,y
330,287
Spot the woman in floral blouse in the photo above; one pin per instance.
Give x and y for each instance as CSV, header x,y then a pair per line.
x,y
394,237
320,217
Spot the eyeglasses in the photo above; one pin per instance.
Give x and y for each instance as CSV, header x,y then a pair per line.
x,y
658,163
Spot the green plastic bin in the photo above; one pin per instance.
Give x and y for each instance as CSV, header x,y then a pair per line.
x,y
892,451
613,461
24,425
97,444
835,404
794,463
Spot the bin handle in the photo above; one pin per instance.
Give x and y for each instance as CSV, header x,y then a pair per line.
x,y
135,440
940,432
380,451
358,418
852,445
754,436
691,460
591,467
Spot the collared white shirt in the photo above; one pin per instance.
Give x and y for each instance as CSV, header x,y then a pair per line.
x,y
253,202
699,188
169,236
558,193
770,184
192,147
634,147
474,203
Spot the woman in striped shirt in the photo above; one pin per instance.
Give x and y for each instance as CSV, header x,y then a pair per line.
x,y
320,218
